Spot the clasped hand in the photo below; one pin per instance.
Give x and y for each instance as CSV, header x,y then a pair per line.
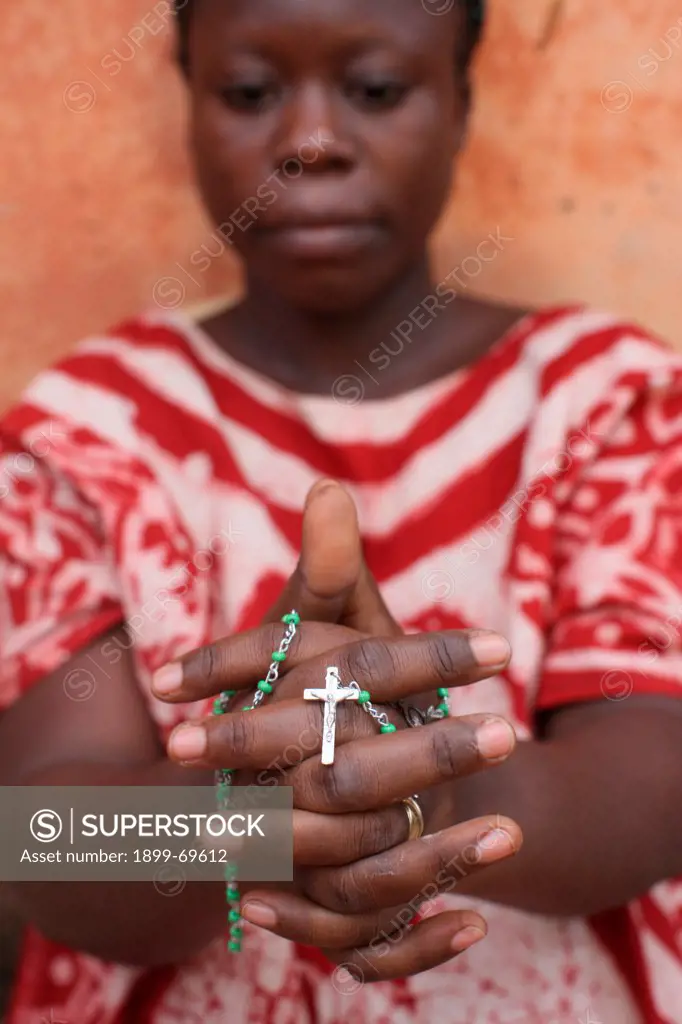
x,y
358,881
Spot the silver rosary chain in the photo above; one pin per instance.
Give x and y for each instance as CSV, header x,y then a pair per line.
x,y
379,716
273,672
223,777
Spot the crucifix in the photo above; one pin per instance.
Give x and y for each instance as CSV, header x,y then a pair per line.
x,y
333,692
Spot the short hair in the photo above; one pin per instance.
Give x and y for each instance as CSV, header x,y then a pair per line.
x,y
474,10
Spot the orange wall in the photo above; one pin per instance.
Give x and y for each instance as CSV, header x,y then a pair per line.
x,y
575,158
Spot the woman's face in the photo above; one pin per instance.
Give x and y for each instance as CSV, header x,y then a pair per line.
x,y
323,135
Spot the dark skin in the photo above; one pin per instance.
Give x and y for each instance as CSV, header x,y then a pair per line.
x,y
110,740
377,76
377,82
579,855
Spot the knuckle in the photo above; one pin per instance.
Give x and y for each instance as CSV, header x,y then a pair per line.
x,y
235,734
346,891
336,787
211,663
452,755
373,833
448,657
270,640
370,661
445,867
306,794
359,836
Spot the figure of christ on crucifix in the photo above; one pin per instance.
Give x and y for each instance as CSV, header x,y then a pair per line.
x,y
333,692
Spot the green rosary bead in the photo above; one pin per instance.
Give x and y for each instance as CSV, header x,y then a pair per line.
x,y
364,696
445,709
219,703
223,780
388,728
442,691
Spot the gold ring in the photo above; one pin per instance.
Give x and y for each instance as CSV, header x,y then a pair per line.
x,y
415,817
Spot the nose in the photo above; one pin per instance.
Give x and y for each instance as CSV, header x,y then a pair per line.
x,y
311,134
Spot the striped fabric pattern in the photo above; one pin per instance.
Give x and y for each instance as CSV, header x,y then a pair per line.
x,y
151,478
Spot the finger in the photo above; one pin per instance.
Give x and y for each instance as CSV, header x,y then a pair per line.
x,y
332,582
241,740
429,944
291,915
383,946
229,663
439,861
370,772
331,556
390,668
376,771
325,840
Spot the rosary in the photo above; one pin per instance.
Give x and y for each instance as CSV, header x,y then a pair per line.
x,y
333,692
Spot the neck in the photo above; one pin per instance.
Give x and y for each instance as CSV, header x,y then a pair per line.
x,y
406,338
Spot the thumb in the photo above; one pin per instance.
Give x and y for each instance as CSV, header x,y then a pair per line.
x,y
332,582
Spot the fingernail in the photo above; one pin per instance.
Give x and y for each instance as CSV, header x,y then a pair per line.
x,y
466,938
168,679
321,485
489,649
495,739
259,914
188,743
494,845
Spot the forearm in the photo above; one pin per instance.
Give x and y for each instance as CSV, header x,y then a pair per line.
x,y
597,802
127,922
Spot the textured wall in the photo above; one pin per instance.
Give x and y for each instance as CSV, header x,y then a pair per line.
x,y
573,165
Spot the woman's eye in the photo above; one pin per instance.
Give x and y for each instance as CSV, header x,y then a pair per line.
x,y
251,97
377,95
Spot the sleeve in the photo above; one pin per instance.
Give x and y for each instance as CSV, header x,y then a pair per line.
x,y
616,609
58,588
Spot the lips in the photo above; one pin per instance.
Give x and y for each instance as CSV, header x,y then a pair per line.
x,y
320,238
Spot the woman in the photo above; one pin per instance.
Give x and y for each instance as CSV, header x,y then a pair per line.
x,y
512,471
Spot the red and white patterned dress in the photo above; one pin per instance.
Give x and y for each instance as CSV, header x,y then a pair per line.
x,y
539,492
